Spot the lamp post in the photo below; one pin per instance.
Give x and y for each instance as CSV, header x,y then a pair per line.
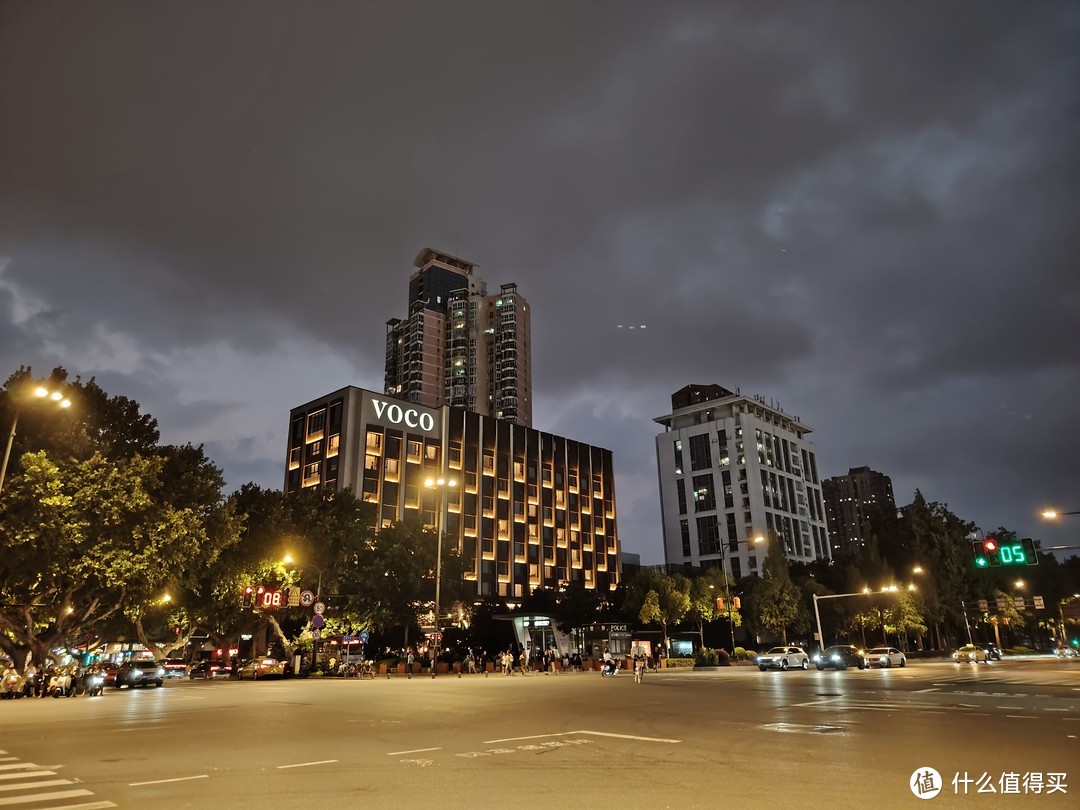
x,y
440,486
863,592
724,563
41,393
1051,514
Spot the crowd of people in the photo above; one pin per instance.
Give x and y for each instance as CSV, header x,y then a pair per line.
x,y
35,682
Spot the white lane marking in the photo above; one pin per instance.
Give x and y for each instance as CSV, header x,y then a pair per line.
x,y
84,806
1022,716
931,689
1011,708
46,783
594,733
40,797
413,751
163,781
27,774
305,764
19,765
1055,710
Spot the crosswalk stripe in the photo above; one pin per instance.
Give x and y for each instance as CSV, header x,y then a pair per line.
x,y
28,785
40,797
84,806
26,774
18,765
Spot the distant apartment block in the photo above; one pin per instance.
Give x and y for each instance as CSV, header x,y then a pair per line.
x,y
732,468
460,346
852,503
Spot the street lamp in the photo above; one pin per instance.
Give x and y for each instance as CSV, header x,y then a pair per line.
x,y
727,596
1051,514
41,393
440,487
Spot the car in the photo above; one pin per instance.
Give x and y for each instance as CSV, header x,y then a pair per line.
x,y
886,657
208,670
783,658
1067,652
992,653
109,670
261,668
139,673
969,653
174,667
841,656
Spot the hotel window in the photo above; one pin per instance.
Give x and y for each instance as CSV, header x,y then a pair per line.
x,y
311,473
598,485
519,509
489,503
571,479
504,527
374,441
371,462
316,422
432,452
414,450
519,470
412,497
455,453
684,530
391,467
332,445
470,482
680,486
314,450
294,457
708,535
532,510
559,497
489,464
678,457
547,473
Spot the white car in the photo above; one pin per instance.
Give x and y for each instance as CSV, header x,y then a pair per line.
x,y
886,657
783,658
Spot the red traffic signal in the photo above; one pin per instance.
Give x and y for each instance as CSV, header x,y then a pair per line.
x,y
249,597
990,545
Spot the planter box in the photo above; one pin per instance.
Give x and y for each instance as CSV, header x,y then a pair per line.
x,y
441,669
401,669
382,669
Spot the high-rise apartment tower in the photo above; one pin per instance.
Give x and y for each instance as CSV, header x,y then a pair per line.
x,y
852,503
460,346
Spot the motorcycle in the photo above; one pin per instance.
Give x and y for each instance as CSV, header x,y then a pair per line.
x,y
61,685
610,668
12,686
95,684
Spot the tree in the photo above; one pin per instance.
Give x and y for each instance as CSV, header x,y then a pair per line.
x,y
704,591
775,605
662,599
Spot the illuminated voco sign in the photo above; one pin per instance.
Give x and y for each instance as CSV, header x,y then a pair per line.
x,y
398,415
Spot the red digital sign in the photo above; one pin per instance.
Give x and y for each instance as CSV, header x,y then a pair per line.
x,y
271,599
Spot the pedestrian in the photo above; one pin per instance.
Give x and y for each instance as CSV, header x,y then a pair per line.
x,y
523,661
409,663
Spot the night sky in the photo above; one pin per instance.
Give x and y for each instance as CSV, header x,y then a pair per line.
x,y
866,211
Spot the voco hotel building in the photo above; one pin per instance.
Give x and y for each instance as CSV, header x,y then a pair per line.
x,y
530,509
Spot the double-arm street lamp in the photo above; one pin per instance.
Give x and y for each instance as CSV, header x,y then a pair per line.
x,y
863,592
40,392
440,486
724,563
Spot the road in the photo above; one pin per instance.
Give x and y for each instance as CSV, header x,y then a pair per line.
x,y
728,738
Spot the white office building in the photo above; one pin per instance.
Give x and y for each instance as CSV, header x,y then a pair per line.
x,y
733,468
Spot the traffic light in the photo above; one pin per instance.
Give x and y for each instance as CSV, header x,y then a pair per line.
x,y
992,552
1030,551
249,597
982,553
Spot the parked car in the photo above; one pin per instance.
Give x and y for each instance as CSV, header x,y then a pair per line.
x,y
992,653
208,670
139,673
969,653
886,657
261,668
841,656
109,670
174,667
783,658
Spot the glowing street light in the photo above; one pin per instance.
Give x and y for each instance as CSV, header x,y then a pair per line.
x,y
440,486
41,393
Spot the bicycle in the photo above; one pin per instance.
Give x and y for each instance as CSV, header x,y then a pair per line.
x,y
639,671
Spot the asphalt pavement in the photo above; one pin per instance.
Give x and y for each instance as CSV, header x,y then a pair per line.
x,y
734,737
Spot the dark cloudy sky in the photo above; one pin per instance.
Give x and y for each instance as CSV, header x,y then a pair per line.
x,y
867,211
